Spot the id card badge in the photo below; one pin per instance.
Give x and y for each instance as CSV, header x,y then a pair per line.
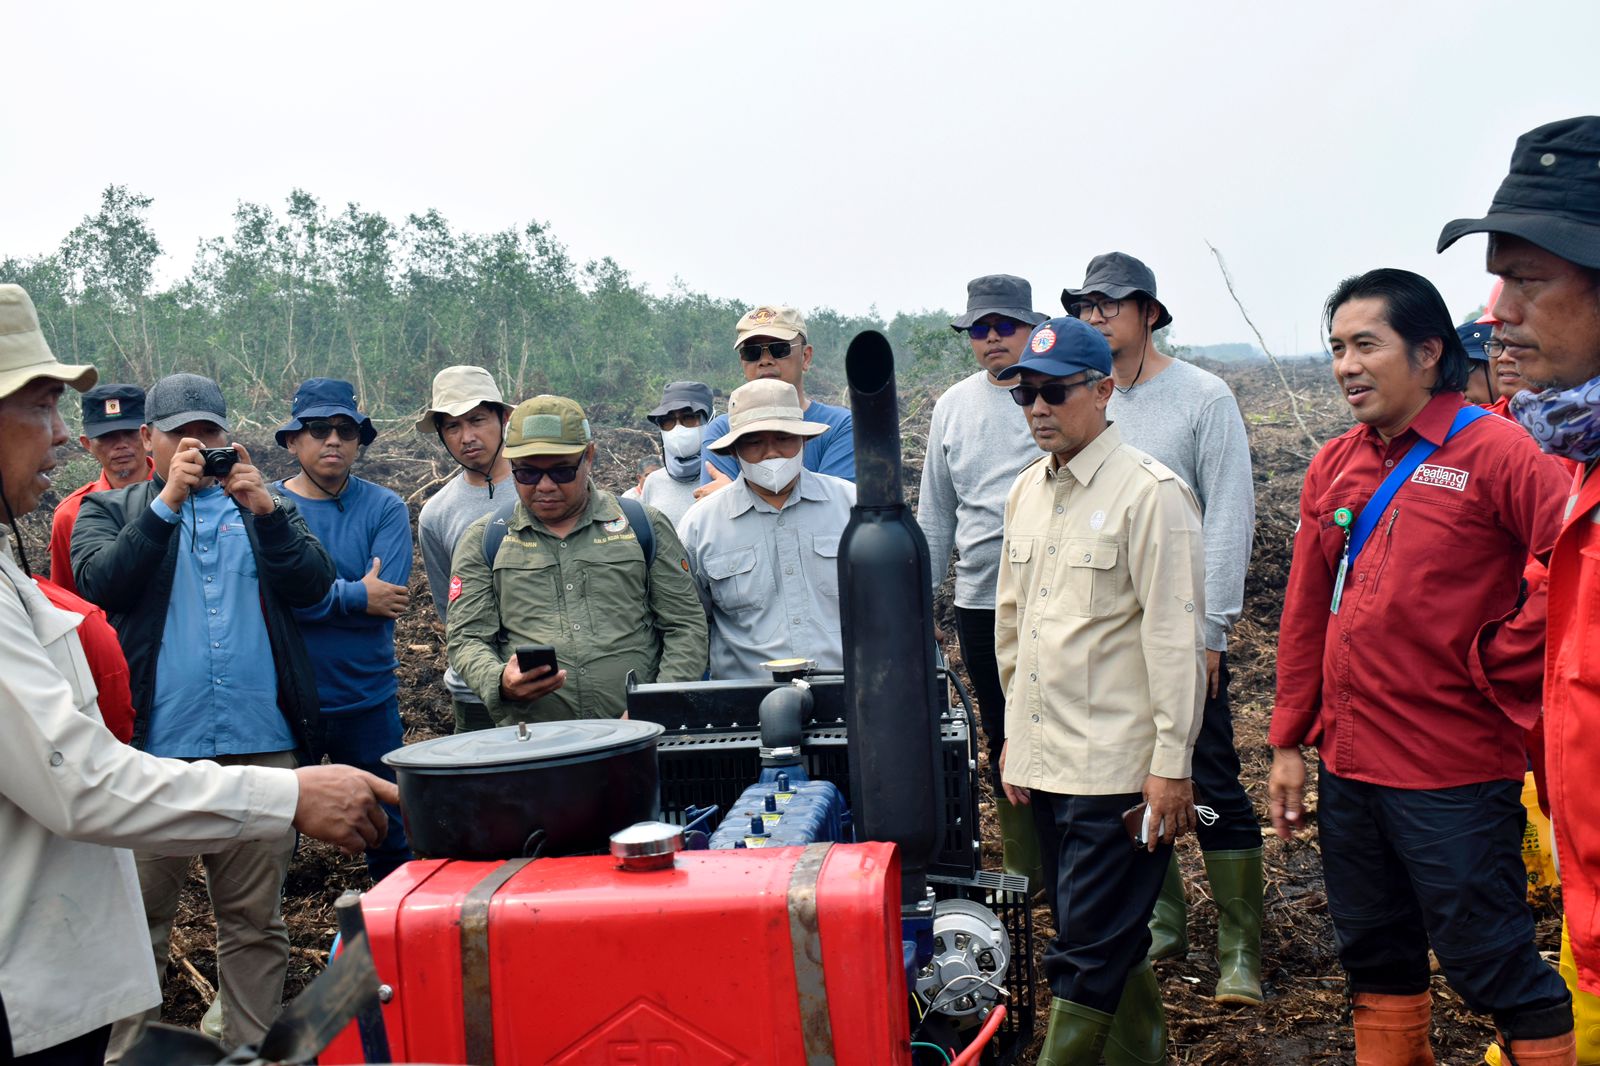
x,y
1342,518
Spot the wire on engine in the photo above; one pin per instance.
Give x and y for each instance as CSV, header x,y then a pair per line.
x,y
943,1054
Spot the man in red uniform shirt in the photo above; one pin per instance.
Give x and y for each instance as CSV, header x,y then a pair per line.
x,y
1544,245
112,415
1405,659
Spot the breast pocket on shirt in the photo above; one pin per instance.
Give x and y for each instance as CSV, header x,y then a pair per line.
x,y
528,589
734,580
825,565
1090,575
233,541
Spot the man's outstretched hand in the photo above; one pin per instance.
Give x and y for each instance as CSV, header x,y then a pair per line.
x,y
339,804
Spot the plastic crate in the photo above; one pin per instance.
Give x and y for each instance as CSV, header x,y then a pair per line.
x,y
700,767
1007,896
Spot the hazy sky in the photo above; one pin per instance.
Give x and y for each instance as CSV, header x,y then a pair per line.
x,y
850,155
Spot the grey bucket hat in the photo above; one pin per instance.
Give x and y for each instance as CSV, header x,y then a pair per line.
x,y
1551,197
999,294
1119,275
694,395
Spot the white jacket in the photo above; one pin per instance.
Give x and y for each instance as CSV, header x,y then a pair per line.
x,y
74,945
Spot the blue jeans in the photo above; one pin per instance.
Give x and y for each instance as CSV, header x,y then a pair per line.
x,y
361,739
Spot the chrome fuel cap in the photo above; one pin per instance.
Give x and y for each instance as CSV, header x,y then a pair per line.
x,y
646,845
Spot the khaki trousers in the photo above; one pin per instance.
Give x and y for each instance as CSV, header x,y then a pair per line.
x,y
245,883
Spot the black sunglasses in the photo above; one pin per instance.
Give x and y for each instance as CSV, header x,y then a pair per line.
x,y
751,353
532,475
1054,392
980,331
322,429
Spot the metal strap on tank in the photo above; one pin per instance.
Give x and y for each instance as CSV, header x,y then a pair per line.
x,y
805,938
477,1006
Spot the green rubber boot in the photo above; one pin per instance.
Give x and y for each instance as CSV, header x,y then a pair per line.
x,y
1236,883
1169,922
1138,1035
1020,843
1076,1037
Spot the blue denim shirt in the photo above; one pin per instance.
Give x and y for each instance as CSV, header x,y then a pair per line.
x,y
216,689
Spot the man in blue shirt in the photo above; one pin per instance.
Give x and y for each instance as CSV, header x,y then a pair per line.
x,y
771,342
199,570
367,531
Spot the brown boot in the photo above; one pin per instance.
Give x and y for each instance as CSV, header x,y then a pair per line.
x,y
1547,1051
1393,1030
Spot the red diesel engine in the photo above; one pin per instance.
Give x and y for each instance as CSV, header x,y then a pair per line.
x,y
706,958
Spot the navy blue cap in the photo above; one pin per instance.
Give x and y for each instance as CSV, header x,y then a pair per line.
x,y
1060,347
111,408
324,398
1472,336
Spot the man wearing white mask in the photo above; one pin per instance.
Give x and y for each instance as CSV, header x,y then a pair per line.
x,y
765,553
681,416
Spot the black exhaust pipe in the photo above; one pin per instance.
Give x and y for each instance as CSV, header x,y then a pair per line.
x,y
891,686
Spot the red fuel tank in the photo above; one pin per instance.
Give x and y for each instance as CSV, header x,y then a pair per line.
x,y
778,957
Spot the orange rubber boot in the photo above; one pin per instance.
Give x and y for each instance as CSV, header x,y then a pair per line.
x,y
1548,1051
1393,1030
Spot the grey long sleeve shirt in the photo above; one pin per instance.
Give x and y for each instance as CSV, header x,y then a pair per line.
x,y
1189,421
978,443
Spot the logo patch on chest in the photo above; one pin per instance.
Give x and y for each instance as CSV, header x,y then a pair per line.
x,y
1443,477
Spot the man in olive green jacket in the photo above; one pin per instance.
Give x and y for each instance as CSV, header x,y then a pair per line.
x,y
570,572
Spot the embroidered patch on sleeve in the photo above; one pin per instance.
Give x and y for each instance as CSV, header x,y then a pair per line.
x,y
455,588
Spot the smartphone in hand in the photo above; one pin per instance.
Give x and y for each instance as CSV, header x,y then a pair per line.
x,y
532,656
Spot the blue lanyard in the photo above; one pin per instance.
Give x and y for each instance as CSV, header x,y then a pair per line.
x,y
1415,456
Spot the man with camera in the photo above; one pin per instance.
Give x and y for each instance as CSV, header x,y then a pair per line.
x,y
200,570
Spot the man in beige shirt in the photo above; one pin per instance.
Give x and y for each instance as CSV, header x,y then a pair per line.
x,y
1099,640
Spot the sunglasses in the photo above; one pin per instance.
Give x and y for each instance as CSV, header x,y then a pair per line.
x,y
980,331
751,353
692,420
532,475
322,429
1054,392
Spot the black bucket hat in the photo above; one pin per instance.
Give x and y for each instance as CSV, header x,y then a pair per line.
x,y
1119,275
1552,195
999,294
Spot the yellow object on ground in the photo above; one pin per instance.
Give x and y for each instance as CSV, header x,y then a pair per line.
x,y
1585,1012
1538,847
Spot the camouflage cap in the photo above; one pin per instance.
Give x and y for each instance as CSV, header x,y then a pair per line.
x,y
547,425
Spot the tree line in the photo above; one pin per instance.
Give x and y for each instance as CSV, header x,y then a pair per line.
x,y
306,291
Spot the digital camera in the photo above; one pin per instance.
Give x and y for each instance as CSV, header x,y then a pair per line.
x,y
219,462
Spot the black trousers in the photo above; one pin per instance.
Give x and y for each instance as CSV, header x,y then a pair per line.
x,y
1102,894
1406,868
86,1050
975,632
1216,777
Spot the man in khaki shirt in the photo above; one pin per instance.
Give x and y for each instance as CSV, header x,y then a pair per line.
x,y
1099,639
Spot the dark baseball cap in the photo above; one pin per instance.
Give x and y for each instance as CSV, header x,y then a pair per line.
x,y
1472,337
1119,275
112,409
680,394
1061,347
999,294
1551,197
324,398
178,399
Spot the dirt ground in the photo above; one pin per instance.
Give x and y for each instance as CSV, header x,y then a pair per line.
x,y
1303,1019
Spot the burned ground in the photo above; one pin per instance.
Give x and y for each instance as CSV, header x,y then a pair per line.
x,y
1303,1019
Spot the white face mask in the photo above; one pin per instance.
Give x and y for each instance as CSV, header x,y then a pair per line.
x,y
773,475
681,442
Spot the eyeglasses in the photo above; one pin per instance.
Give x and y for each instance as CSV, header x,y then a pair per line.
x,y
532,475
1054,392
1494,349
693,419
322,429
1081,308
980,330
751,353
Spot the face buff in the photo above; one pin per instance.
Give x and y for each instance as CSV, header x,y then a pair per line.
x,y
1564,422
681,445
773,475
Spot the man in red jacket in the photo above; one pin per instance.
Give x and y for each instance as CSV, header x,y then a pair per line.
x,y
1405,658
112,415
1544,245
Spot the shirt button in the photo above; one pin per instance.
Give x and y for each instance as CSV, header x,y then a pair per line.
x,y
216,680
216,644
563,545
574,625
1388,462
1088,558
1033,677
213,610
1042,593
55,758
209,580
1059,510
583,669
1034,717
205,549
1050,550
1189,607
1148,461
788,569
1034,634
780,520
569,588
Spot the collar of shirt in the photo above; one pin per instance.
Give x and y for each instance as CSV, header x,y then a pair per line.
x,y
1431,423
1090,459
603,507
809,489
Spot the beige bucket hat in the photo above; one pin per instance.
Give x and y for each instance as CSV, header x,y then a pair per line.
x,y
24,354
764,405
457,390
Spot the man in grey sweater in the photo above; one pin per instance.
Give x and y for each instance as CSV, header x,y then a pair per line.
x,y
469,418
977,445
1188,420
